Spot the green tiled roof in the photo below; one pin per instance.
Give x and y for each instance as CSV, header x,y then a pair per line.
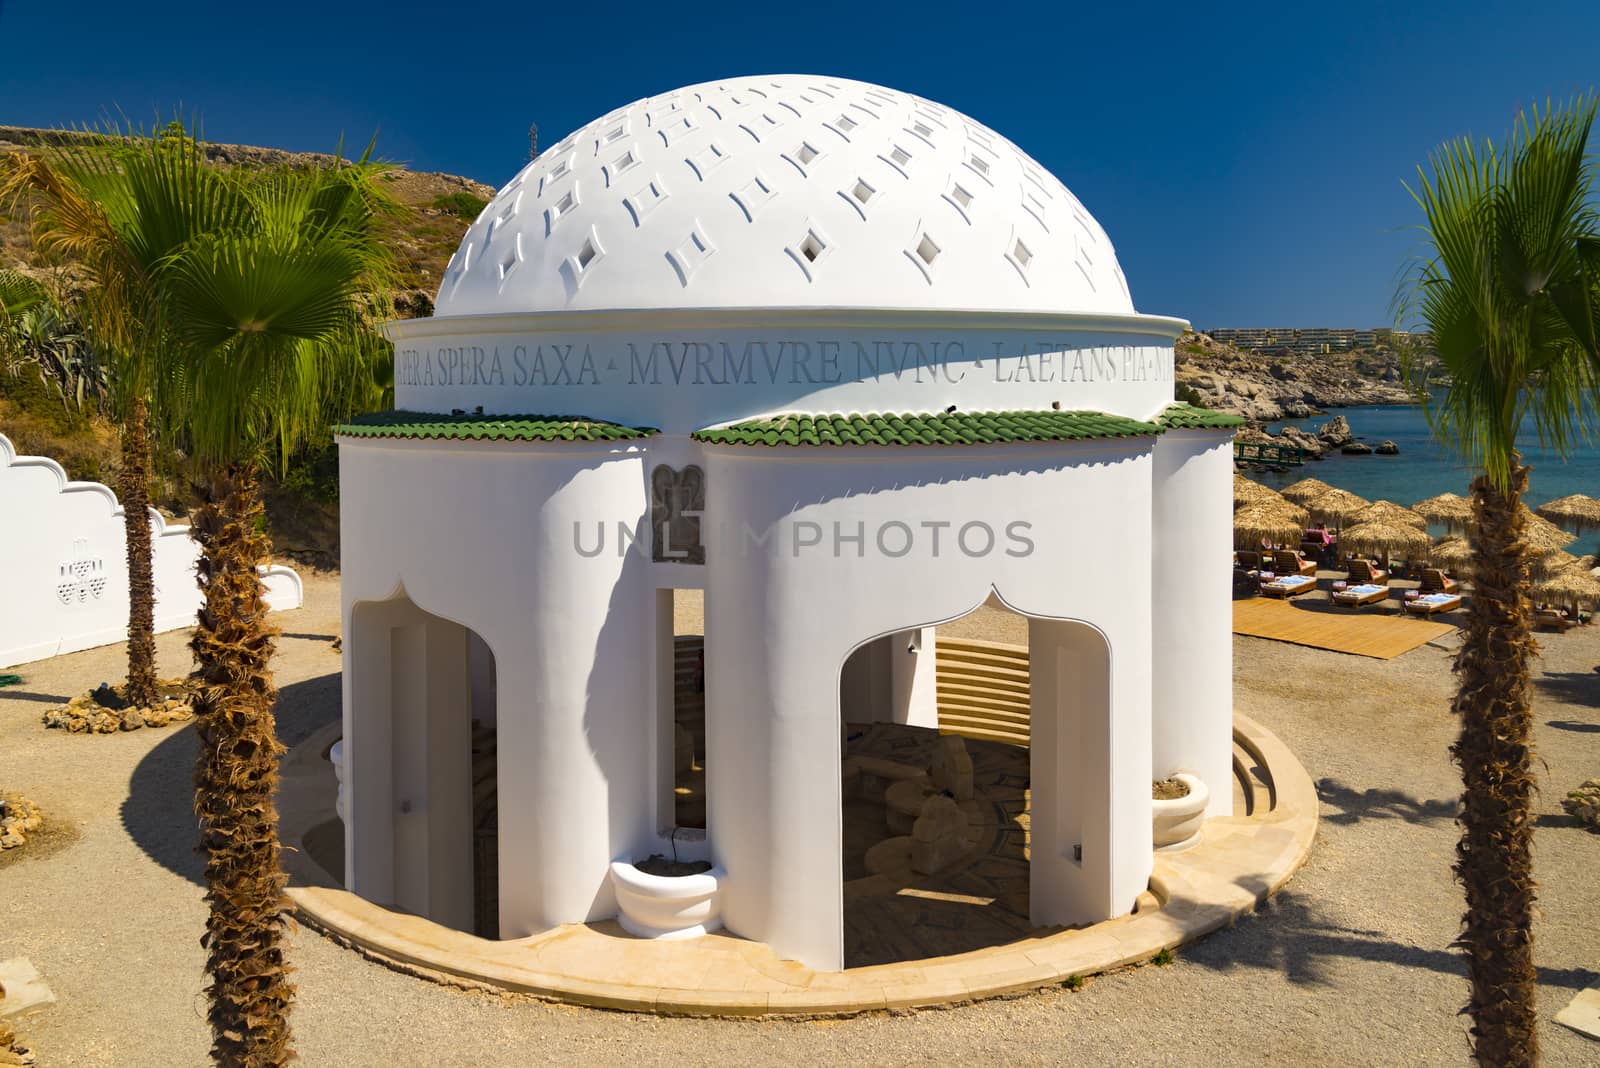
x,y
1190,417
471,427
937,428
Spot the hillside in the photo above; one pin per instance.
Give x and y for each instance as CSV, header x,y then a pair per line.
x,y
442,205
303,504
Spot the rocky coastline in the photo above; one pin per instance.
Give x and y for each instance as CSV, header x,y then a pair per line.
x,y
1265,388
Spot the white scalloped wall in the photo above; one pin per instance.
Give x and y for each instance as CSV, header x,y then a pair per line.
x,y
64,571
784,191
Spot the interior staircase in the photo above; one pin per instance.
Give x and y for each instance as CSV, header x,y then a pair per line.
x,y
983,690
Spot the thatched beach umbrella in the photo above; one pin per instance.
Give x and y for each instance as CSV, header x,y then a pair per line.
x,y
1306,490
1247,491
1388,512
1452,554
1336,505
1575,511
1544,536
1571,586
1386,539
1450,509
1279,523
1551,563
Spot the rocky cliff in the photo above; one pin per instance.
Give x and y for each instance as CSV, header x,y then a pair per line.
x,y
1266,388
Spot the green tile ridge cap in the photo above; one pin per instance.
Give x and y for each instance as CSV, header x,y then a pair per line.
x,y
1181,416
927,428
471,426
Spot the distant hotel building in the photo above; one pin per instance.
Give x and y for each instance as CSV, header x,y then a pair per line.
x,y
1312,341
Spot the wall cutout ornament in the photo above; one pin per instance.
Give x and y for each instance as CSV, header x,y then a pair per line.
x,y
677,499
81,578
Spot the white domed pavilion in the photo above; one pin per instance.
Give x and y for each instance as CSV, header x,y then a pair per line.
x,y
851,364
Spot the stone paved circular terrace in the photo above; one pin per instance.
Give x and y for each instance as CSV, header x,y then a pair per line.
x,y
1240,861
1350,963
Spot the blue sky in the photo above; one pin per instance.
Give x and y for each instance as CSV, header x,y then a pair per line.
x,y
1246,160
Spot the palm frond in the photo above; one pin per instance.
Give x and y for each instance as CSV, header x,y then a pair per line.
x,y
1509,286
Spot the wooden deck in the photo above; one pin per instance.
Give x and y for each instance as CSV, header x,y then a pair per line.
x,y
1317,624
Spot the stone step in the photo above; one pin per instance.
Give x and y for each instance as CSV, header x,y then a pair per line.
x,y
996,672
1013,720
972,689
951,652
986,734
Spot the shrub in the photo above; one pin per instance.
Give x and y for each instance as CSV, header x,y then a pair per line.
x,y
461,204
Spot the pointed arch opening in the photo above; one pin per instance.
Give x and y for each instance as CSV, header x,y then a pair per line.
x,y
420,775
975,784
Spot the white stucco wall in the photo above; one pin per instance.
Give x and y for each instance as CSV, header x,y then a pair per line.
x,y
782,620
681,371
481,533
1192,700
64,564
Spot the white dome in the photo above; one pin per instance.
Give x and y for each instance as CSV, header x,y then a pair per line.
x,y
784,191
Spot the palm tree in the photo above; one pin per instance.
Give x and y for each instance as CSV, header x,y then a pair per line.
x,y
119,215
1509,287
252,292
268,318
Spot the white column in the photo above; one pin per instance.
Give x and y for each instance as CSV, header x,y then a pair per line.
x,y
913,660
1192,676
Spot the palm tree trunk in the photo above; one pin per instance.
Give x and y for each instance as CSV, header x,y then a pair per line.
x,y
236,776
1494,749
135,490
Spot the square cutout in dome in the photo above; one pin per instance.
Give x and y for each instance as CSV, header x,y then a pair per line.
x,y
924,255
859,194
564,206
511,257
753,196
1035,207
646,200
620,166
810,250
1020,256
691,254
960,198
576,268
707,160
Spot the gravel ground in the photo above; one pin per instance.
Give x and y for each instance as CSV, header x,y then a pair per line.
x,y
1350,964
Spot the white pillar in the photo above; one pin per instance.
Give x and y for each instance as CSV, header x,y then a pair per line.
x,y
913,661
1192,697
1091,835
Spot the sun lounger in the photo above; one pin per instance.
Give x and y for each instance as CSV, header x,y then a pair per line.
x,y
1546,617
1289,563
1365,574
1434,580
1286,586
1356,596
1428,604
1248,559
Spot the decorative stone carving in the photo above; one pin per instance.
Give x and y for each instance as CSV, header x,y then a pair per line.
x,y
676,500
952,767
939,837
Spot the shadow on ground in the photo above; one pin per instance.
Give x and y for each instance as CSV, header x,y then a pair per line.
x,y
42,698
1572,687
1345,805
159,811
1289,934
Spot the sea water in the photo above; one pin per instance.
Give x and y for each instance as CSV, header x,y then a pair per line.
x,y
1425,467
